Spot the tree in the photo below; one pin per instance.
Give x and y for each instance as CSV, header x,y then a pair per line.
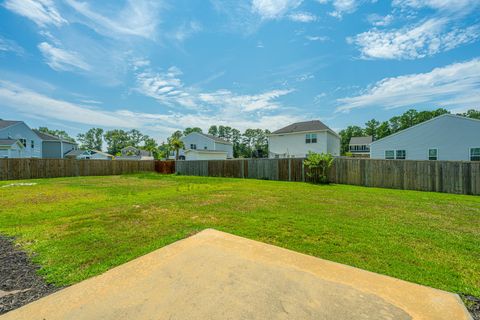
x,y
472,113
58,133
383,130
318,165
92,139
135,137
189,130
176,144
213,130
347,134
116,140
371,128
150,145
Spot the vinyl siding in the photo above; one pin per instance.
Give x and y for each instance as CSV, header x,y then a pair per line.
x,y
294,144
453,136
22,131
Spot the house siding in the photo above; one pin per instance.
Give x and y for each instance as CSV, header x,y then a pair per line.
x,y
22,131
293,144
224,147
453,136
205,143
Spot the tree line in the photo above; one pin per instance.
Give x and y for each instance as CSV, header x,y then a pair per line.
x,y
379,130
252,143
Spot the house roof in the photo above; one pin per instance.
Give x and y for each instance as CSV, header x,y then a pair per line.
x,y
313,125
74,152
49,137
361,140
7,142
214,138
205,151
425,122
7,123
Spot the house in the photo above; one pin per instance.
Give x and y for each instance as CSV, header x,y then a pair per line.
x,y
132,153
54,147
359,147
297,139
88,155
446,137
18,140
201,146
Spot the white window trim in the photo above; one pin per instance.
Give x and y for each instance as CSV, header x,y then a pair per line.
x,y
400,150
385,154
470,153
428,153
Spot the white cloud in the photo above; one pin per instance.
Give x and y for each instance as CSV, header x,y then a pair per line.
x,y
186,30
317,38
62,60
168,88
42,12
380,21
443,5
138,18
303,17
343,6
33,104
412,42
454,86
273,9
7,45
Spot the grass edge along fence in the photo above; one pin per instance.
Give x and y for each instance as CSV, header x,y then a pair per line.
x,y
458,177
14,169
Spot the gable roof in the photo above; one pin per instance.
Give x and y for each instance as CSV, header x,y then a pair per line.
x,y
74,152
428,121
361,140
50,137
209,136
7,123
7,142
313,125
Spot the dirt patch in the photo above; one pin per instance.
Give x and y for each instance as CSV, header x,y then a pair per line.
x,y
19,281
473,305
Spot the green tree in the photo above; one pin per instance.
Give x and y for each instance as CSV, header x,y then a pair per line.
x,y
134,137
317,165
213,130
383,130
58,133
92,139
347,134
176,144
189,130
371,128
472,113
116,140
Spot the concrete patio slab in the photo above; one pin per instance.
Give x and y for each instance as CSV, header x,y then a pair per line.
x,y
215,275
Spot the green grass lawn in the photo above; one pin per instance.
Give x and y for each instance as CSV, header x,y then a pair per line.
x,y
80,227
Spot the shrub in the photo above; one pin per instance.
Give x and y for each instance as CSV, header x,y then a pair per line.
x,y
318,165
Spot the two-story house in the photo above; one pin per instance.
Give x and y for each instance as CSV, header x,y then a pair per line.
x,y
201,146
17,140
359,147
297,139
54,147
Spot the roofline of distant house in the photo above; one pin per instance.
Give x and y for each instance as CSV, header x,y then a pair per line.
x,y
205,151
206,136
13,124
306,131
425,122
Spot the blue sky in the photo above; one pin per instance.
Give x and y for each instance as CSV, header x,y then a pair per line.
x,y
164,65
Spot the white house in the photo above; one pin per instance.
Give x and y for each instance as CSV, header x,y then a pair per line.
x,y
18,140
297,139
359,147
201,146
132,153
446,137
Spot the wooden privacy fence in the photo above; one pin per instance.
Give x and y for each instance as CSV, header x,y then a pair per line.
x,y
441,176
12,169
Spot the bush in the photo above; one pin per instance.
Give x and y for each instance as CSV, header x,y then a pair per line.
x,y
318,165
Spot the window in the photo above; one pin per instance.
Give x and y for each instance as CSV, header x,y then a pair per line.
x,y
475,154
389,154
314,138
24,142
205,147
32,144
308,138
433,154
401,154
193,146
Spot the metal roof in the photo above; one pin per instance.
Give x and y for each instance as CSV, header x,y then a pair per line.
x,y
313,125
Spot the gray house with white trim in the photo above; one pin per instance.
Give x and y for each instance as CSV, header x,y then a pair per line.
x,y
446,137
54,147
